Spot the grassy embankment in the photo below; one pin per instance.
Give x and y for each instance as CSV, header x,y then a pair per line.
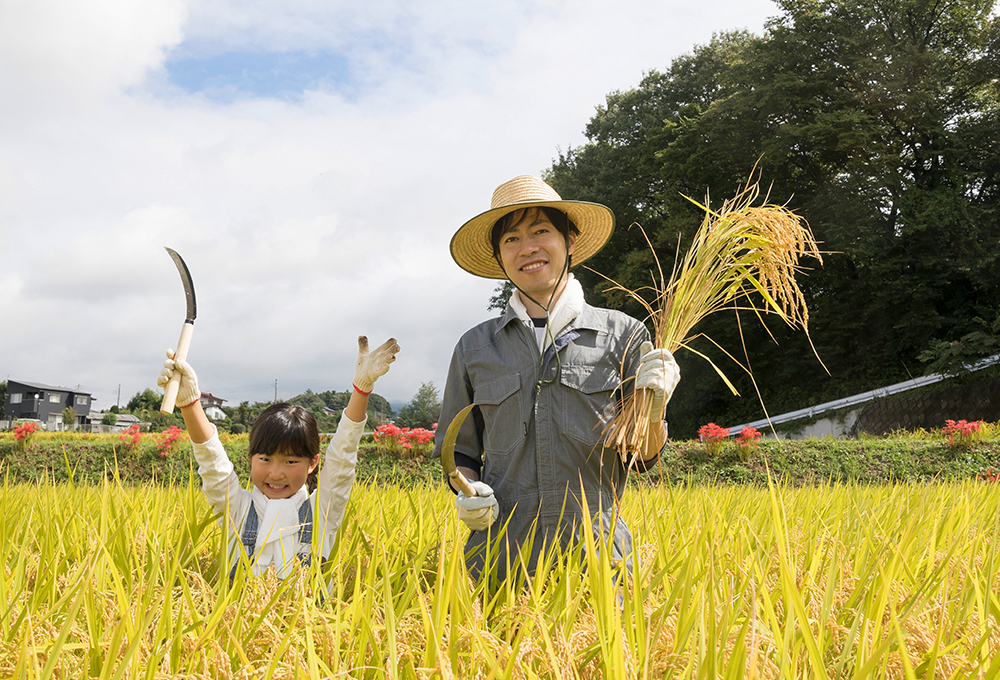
x,y
902,457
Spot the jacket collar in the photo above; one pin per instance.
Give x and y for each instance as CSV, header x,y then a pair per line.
x,y
571,310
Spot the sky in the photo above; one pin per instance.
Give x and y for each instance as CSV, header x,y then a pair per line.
x,y
310,161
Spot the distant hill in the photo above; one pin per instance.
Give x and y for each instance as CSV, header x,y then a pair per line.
x,y
378,408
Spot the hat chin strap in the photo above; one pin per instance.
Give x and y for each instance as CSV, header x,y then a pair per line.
x,y
548,327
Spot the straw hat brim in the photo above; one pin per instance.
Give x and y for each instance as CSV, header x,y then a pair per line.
x,y
472,250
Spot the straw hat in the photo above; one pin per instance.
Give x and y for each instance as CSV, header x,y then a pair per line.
x,y
471,247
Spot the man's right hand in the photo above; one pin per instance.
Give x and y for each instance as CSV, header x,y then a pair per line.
x,y
479,511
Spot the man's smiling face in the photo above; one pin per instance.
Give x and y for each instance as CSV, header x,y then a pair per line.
x,y
534,253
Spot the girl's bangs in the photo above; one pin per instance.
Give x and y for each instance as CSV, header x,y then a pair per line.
x,y
286,429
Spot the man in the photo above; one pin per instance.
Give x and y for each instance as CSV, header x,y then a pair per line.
x,y
547,378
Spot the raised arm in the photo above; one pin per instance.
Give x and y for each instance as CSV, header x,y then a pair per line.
x,y
220,482
336,476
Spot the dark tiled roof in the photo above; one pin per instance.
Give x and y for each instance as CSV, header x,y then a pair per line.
x,y
50,388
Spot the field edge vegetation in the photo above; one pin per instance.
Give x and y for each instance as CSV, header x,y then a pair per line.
x,y
899,457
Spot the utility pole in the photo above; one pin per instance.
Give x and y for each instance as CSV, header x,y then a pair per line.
x,y
118,401
275,390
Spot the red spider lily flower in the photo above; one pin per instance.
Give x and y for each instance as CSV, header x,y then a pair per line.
x,y
712,436
961,434
749,437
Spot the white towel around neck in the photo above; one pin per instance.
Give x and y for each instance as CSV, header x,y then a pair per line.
x,y
277,530
566,308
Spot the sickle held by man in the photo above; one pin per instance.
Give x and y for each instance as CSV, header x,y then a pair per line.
x,y
448,453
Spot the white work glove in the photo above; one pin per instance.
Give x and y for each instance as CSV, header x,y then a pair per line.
x,y
480,511
658,373
188,392
374,364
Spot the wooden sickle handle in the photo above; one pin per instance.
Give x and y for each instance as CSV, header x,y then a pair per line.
x,y
462,483
170,391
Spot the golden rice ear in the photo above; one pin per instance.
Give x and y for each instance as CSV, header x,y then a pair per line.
x,y
739,251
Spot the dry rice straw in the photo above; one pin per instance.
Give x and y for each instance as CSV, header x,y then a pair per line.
x,y
738,250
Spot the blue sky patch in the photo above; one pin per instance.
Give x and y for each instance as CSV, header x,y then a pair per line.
x,y
281,75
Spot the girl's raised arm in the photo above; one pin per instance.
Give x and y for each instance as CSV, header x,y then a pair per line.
x,y
337,474
221,484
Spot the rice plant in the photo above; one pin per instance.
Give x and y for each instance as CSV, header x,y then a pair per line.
x,y
728,582
739,251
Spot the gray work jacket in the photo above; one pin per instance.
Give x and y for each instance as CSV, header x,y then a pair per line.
x,y
537,430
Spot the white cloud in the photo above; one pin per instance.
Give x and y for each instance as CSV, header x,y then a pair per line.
x,y
305,222
57,49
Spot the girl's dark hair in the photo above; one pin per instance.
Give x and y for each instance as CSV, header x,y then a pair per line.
x,y
557,217
287,429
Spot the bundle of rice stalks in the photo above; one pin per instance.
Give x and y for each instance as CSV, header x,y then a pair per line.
x,y
737,251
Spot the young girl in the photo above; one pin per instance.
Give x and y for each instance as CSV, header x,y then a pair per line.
x,y
275,522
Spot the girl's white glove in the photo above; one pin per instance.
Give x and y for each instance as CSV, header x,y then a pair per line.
x,y
372,365
188,392
658,373
480,511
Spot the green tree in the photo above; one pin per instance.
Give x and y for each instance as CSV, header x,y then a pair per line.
x,y
956,356
315,404
501,294
147,400
327,407
878,122
423,410
243,413
146,406
69,418
109,418
379,410
309,400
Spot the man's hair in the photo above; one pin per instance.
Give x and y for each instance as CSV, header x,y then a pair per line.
x,y
557,217
286,429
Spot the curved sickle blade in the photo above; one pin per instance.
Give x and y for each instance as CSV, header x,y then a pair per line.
x,y
448,452
187,328
192,305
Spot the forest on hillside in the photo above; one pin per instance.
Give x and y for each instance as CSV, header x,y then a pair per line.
x,y
879,124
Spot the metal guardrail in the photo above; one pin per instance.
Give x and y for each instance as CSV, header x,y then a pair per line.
x,y
861,398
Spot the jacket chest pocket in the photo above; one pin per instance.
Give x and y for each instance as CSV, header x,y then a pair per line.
x,y
589,402
499,402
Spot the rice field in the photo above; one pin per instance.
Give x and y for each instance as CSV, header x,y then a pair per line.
x,y
731,582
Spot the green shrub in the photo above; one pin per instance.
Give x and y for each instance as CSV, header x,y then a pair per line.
x,y
900,457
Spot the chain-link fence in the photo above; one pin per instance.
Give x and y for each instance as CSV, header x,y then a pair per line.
x,y
929,409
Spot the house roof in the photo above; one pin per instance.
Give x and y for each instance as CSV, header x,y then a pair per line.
x,y
51,388
208,395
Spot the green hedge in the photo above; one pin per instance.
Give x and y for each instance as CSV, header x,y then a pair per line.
x,y
875,460
92,458
905,457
